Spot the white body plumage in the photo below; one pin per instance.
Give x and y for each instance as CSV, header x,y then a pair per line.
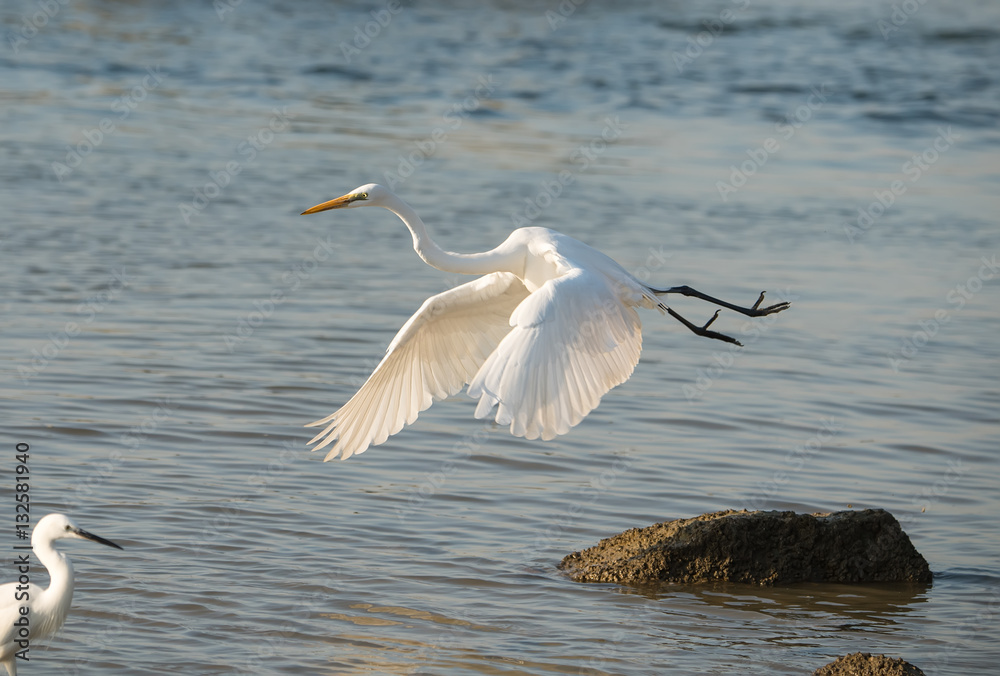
x,y
541,336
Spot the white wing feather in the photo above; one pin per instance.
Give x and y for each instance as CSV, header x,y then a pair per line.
x,y
42,624
432,357
572,340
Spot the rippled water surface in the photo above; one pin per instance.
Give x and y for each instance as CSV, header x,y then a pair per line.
x,y
170,323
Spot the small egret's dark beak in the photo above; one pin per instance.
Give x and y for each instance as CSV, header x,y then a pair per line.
x,y
332,204
96,538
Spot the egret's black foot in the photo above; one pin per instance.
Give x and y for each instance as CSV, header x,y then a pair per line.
x,y
757,311
703,330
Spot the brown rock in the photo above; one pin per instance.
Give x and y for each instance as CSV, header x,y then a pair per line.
x,y
865,664
761,548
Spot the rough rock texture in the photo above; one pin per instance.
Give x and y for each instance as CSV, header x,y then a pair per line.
x,y
865,664
762,548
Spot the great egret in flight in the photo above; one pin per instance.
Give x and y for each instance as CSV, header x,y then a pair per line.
x,y
547,330
47,608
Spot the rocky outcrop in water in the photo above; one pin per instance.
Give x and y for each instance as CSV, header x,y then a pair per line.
x,y
760,548
865,664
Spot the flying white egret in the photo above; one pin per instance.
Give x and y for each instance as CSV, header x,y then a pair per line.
x,y
547,330
47,608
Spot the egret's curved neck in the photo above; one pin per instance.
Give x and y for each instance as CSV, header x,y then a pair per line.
x,y
60,589
465,264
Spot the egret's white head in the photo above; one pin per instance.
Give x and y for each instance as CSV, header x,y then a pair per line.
x,y
59,526
370,195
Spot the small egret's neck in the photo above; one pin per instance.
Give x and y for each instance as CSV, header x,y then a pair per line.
x,y
435,256
60,589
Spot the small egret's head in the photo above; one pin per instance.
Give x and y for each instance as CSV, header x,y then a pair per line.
x,y
59,526
370,195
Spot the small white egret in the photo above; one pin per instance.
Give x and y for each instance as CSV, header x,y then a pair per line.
x,y
48,607
548,330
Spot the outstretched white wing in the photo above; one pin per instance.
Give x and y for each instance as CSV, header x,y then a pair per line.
x,y
572,340
433,356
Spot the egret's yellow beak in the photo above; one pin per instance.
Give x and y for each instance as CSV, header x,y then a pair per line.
x,y
335,203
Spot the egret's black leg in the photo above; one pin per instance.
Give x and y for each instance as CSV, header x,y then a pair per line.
x,y
755,311
703,330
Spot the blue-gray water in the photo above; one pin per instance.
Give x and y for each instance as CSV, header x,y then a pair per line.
x,y
162,349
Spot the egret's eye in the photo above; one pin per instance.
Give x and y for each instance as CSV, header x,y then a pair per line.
x,y
363,196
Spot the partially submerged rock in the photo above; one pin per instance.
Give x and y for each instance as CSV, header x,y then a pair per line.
x,y
761,548
865,664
